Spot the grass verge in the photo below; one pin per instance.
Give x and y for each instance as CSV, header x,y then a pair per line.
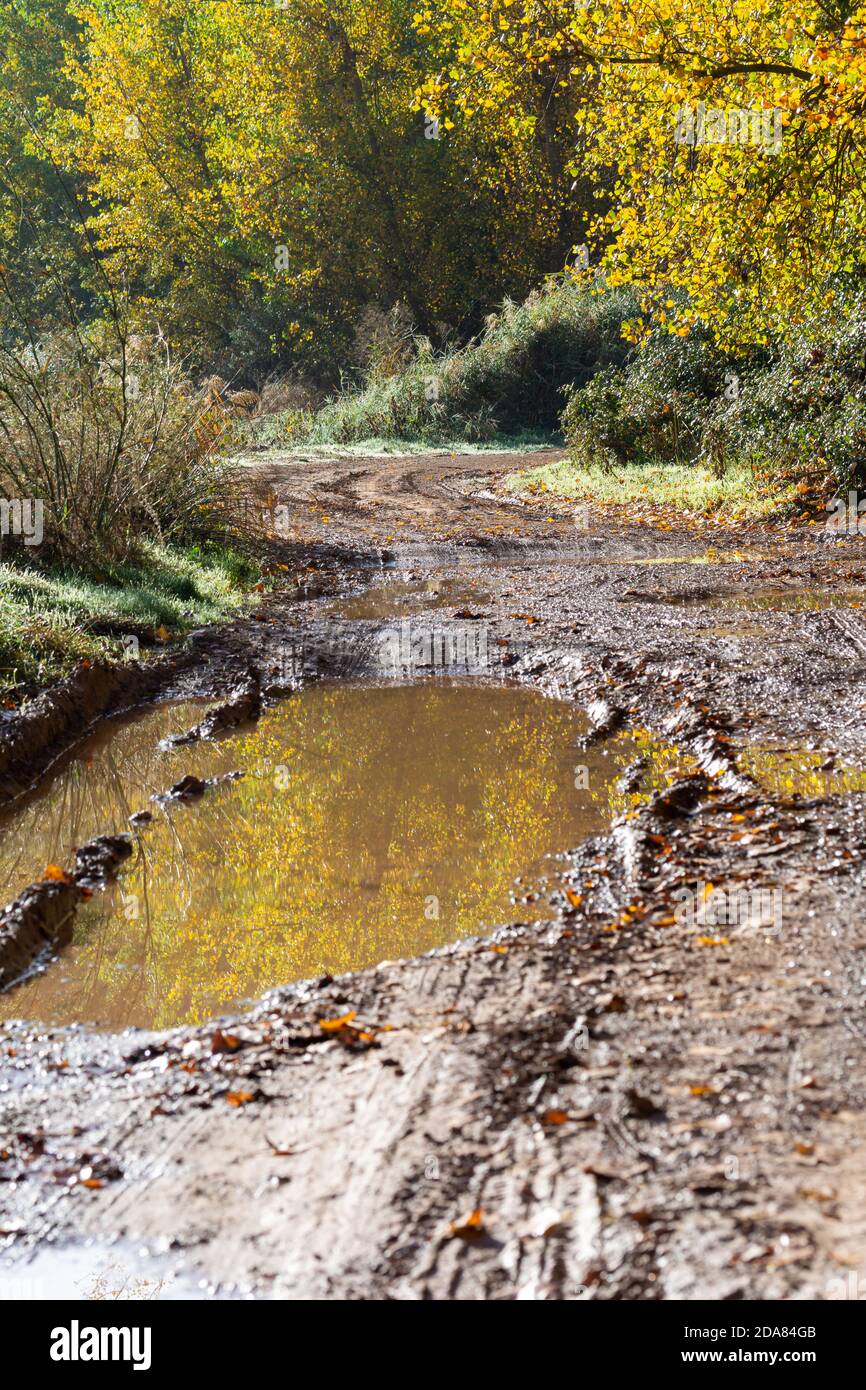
x,y
50,619
739,493
526,442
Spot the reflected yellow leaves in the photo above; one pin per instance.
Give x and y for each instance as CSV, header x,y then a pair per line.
x,y
788,772
371,823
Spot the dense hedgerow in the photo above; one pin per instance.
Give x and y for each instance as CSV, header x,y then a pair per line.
x,y
508,381
793,410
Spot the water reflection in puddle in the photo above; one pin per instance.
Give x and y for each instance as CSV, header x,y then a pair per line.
x,y
804,772
96,789
381,601
778,600
372,823
758,601
709,557
96,1272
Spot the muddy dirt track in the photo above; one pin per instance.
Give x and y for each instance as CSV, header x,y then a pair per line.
x,y
623,1103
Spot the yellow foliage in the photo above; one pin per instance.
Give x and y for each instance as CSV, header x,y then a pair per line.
x,y
754,216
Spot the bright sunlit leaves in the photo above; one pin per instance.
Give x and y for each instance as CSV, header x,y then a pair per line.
x,y
733,131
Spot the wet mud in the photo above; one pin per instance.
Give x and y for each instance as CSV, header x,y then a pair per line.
x,y
650,1086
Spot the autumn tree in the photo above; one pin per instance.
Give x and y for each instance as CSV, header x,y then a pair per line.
x,y
734,127
262,171
42,204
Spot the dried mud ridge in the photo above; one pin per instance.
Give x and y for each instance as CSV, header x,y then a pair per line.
x,y
638,1106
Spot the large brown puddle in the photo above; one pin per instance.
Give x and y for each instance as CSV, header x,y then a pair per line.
x,y
372,823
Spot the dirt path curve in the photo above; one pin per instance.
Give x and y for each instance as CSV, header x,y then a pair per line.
x,y
633,1104
434,496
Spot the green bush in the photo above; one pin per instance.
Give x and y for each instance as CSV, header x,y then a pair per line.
x,y
805,412
508,381
654,408
784,412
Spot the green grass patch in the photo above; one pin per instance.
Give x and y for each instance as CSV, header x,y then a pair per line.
x,y
49,619
738,492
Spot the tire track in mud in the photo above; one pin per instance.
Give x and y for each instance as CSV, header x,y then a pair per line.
x,y
433,494
713,1136
852,627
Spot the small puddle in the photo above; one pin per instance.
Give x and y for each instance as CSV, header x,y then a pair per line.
x,y
622,555
382,601
709,557
372,823
775,600
97,1272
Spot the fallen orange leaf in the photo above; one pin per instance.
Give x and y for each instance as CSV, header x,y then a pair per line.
x,y
239,1097
333,1025
224,1042
54,874
468,1227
